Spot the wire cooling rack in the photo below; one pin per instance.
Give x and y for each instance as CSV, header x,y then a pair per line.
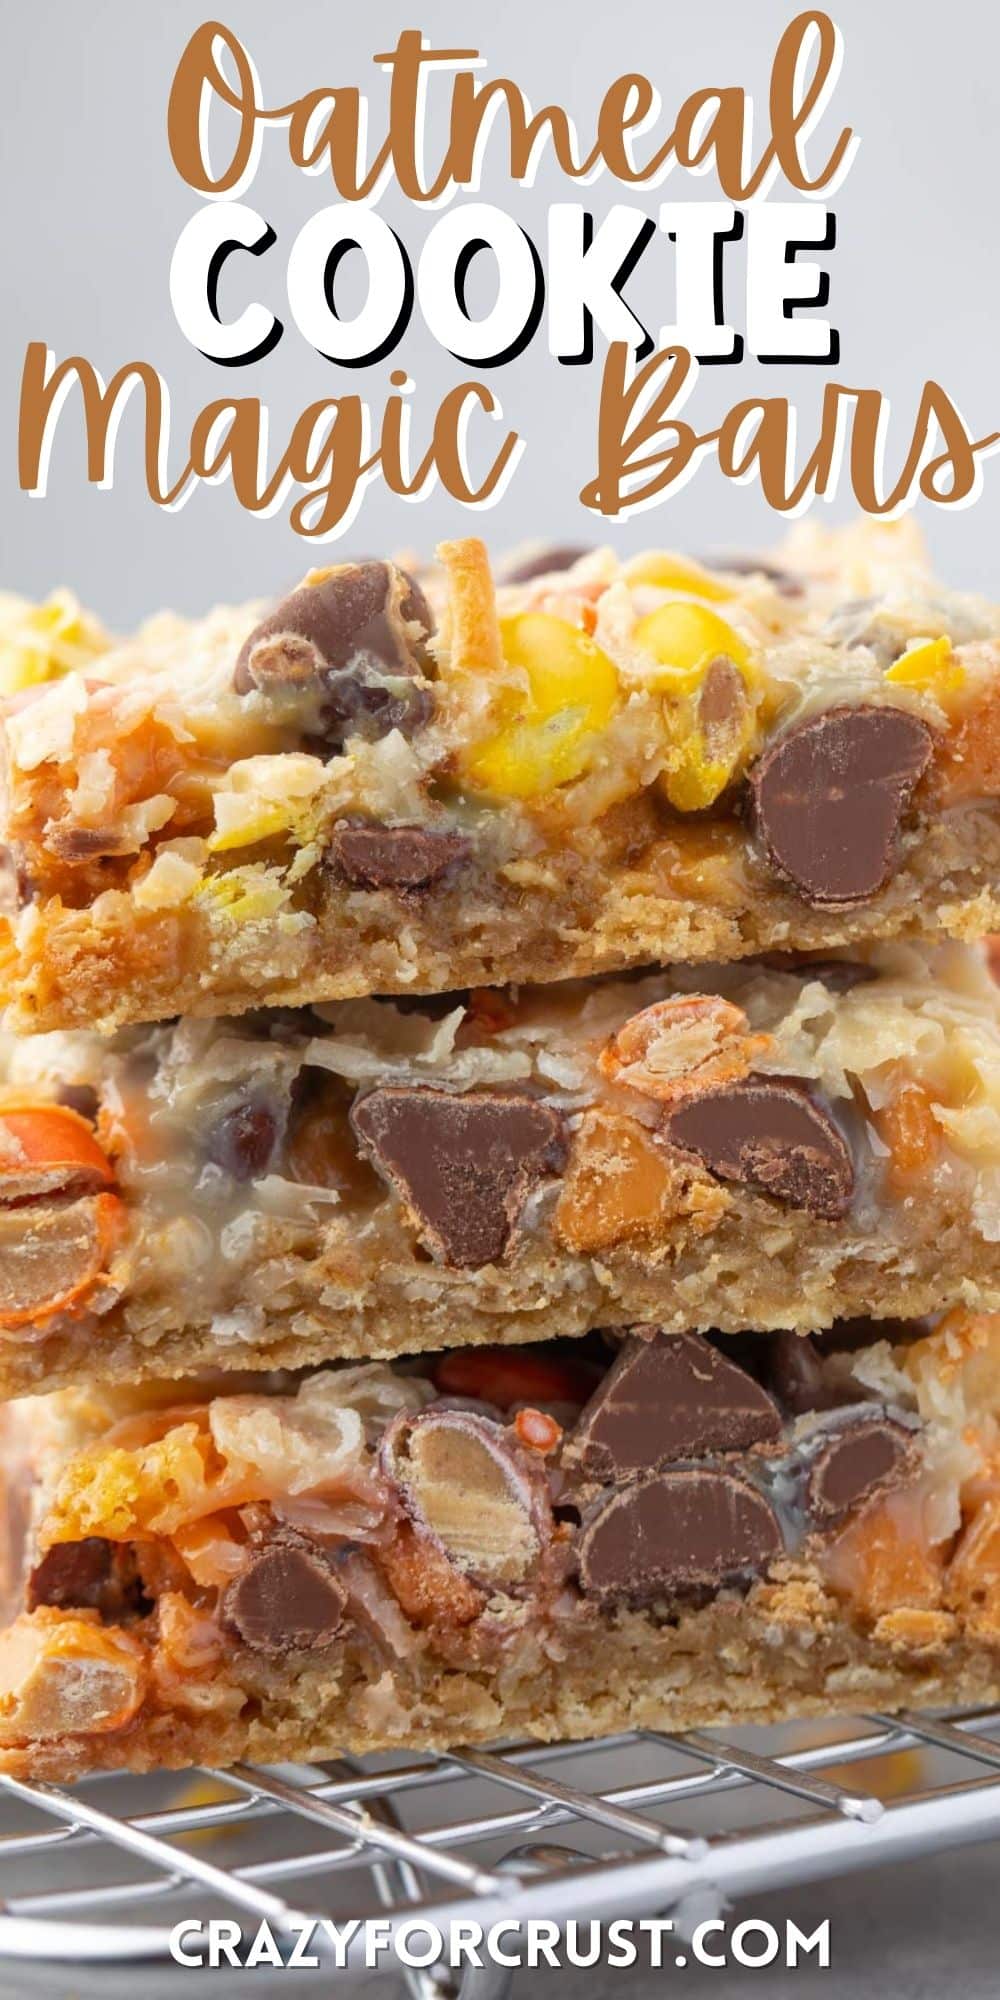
x,y
637,1825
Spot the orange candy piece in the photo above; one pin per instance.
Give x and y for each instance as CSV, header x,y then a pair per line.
x,y
910,1130
49,1149
882,1562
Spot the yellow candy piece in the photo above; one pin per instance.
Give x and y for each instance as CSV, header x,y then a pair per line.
x,y
705,665
548,737
669,572
260,825
683,638
39,642
930,665
244,894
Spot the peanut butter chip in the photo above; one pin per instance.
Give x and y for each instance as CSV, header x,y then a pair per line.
x,y
829,796
680,1535
769,1133
464,1164
672,1396
287,1600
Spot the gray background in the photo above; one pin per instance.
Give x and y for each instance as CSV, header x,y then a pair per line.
x,y
93,207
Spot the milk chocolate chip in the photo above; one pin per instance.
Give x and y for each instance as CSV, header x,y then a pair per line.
x,y
287,1600
672,1396
404,858
769,1133
343,656
681,1535
853,1465
464,1164
829,796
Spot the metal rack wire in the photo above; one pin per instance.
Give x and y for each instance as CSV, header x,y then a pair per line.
x,y
634,1826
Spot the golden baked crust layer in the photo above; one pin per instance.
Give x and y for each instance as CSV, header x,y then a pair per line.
x,y
794,1273
82,968
787,1652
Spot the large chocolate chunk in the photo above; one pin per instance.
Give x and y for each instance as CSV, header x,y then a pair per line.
x,y
342,656
405,858
856,1462
829,796
769,1132
287,1600
464,1164
672,1396
681,1535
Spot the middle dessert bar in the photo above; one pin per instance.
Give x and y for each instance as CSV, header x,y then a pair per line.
x,y
774,1146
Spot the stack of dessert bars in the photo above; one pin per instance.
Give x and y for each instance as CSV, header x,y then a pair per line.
x,y
500,1156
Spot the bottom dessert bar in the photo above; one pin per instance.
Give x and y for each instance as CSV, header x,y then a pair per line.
x,y
647,1531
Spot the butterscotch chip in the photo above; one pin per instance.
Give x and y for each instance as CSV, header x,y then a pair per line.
x,y
621,1187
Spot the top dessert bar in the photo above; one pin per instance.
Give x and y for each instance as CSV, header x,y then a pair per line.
x,y
392,782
